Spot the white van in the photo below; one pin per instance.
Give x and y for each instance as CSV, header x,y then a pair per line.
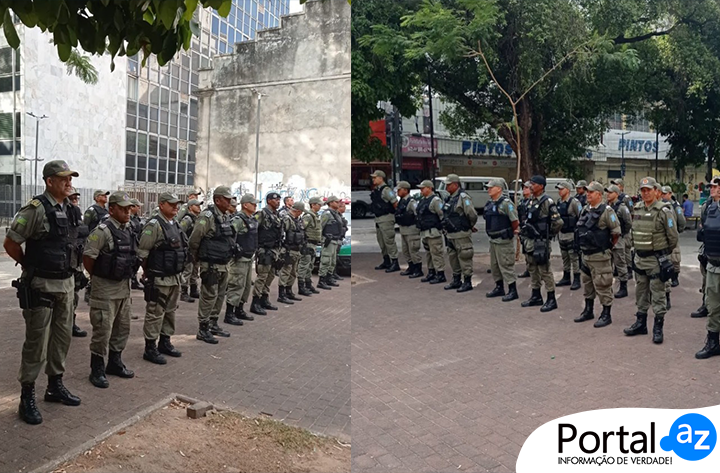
x,y
550,188
475,186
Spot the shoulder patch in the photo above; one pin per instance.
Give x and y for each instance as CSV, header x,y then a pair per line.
x,y
612,217
21,220
93,237
207,213
102,225
152,221
464,195
147,232
511,207
34,203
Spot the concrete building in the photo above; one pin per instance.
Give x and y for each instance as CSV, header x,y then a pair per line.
x,y
299,77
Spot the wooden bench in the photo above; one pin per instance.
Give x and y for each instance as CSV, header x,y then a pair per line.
x,y
694,218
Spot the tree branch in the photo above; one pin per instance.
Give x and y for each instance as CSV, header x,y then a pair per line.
x,y
636,39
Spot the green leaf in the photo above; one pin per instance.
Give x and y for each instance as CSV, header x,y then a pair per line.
x,y
9,30
167,12
149,17
190,7
224,9
64,51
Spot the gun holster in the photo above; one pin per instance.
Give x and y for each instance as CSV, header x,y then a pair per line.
x,y
30,299
151,291
541,252
210,277
81,281
667,272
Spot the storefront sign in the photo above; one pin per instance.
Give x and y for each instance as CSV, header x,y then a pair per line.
x,y
476,163
417,146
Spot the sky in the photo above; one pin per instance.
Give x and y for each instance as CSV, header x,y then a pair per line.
x,y
295,6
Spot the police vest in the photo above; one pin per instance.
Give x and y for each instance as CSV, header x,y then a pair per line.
x,y
102,215
569,221
270,231
711,228
625,199
333,227
678,212
591,237
425,218
295,236
247,243
78,233
168,258
616,208
648,232
313,230
378,206
454,221
582,198
190,227
402,216
523,210
541,224
121,262
218,248
50,256
497,225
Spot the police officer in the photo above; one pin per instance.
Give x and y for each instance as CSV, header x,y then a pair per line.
x,y
232,210
501,225
523,207
313,231
543,222
190,273
210,244
346,226
288,202
627,200
111,259
240,268
618,251
193,195
581,189
702,311
79,234
294,240
46,287
655,235
459,219
383,206
429,221
95,214
569,209
270,235
409,232
136,226
598,230
163,248
710,215
332,231
675,256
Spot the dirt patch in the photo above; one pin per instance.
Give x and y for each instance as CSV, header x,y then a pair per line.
x,y
168,441
356,279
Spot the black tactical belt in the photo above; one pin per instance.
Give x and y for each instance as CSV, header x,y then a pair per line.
x,y
647,254
53,274
714,262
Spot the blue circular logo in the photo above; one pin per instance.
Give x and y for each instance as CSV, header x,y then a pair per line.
x,y
692,437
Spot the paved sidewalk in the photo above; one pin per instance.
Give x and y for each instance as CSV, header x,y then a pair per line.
x,y
293,364
448,382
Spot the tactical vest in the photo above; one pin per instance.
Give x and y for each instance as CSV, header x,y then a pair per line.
x,y
523,210
313,231
102,215
135,224
541,224
190,227
497,225
425,218
582,198
569,221
247,243
168,259
402,216
454,221
378,206
625,199
270,232
616,208
711,228
218,248
676,207
333,227
51,256
295,236
78,234
648,234
591,237
120,263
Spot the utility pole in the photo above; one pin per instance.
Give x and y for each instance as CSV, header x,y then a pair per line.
x,y
397,138
657,150
622,153
432,123
37,138
257,141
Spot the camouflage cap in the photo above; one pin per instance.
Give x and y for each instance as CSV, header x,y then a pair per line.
x,y
74,192
299,206
612,188
648,183
169,198
233,202
58,167
527,184
223,191
194,202
563,185
136,202
248,199
332,198
581,183
100,192
315,200
120,198
378,173
195,192
617,182
452,178
497,182
595,186
427,183
666,190
404,185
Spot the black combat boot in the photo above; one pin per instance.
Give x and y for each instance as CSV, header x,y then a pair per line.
x,y
204,334
466,285
658,330
430,275
256,307
303,289
97,371
184,296
322,285
454,284
385,264
622,292
216,330
116,366
565,281
230,317
336,276
77,331
576,282
587,313
639,327
241,314
512,293
282,298
330,282
57,392
152,354
674,281
194,291
524,274
28,410
550,303
535,299
265,303
605,318
417,271
135,284
394,266
711,348
309,285
410,269
700,313
439,278
667,301
498,291
290,294
167,348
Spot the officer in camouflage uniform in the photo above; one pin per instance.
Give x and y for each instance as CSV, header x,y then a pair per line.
x,y
270,235
313,231
383,206
523,207
232,210
502,224
293,242
80,238
675,256
710,234
332,232
429,221
623,197
211,243
581,192
346,226
655,235
702,311
569,209
245,226
95,214
111,259
46,287
288,202
163,248
193,195
598,230
190,273
409,232
459,219
618,252
543,223
136,226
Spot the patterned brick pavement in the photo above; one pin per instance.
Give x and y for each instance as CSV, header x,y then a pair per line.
x,y
448,382
293,364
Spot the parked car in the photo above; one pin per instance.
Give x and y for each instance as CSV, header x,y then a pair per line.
x,y
475,187
344,256
360,203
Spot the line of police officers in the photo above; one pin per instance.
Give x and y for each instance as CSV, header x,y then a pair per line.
x,y
111,244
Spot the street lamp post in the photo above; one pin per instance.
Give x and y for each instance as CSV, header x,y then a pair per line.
x,y
37,137
257,141
622,153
